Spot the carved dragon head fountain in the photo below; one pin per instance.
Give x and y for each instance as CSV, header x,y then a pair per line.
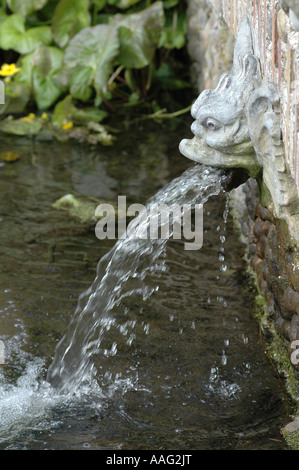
x,y
237,126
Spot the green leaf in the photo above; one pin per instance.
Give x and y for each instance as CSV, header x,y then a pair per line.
x,y
80,83
134,97
17,96
166,76
14,36
99,4
174,33
92,53
3,16
20,126
46,90
25,7
25,74
70,16
139,35
123,3
39,71
62,111
83,116
170,3
48,60
65,110
172,39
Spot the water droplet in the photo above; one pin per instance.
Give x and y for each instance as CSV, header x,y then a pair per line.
x,y
245,339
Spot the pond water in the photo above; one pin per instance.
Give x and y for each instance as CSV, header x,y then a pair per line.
x,y
189,372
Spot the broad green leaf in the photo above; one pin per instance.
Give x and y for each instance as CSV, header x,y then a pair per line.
x,y
39,73
47,62
25,7
20,126
33,37
83,116
174,37
62,111
70,16
139,35
80,83
25,75
46,91
14,36
167,77
65,110
93,49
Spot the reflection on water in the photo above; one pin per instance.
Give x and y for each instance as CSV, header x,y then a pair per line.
x,y
182,370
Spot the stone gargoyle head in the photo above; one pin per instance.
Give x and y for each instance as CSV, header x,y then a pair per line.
x,y
221,135
237,128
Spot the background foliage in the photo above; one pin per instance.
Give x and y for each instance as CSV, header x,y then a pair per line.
x,y
76,61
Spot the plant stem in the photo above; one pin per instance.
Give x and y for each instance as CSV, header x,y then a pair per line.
x,y
168,115
149,77
162,115
115,74
94,14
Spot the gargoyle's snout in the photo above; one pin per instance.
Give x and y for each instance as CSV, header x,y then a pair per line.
x,y
185,147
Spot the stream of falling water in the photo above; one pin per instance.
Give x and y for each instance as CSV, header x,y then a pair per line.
x,y
121,274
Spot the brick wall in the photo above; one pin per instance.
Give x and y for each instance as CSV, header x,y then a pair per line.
x,y
276,37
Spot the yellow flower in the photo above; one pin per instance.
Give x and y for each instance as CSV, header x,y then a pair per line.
x,y
29,118
9,70
68,125
44,116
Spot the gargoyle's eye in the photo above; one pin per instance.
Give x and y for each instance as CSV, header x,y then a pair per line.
x,y
212,124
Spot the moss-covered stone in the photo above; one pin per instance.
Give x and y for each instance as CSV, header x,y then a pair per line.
x,y
81,209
